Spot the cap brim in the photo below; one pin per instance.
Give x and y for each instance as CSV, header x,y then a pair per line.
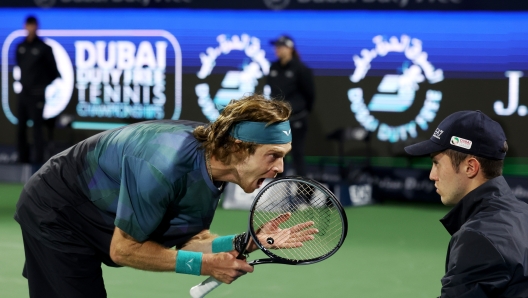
x,y
424,148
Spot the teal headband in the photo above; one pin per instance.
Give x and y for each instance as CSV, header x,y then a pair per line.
x,y
261,133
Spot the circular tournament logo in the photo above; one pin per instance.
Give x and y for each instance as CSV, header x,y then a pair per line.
x,y
397,92
45,3
236,83
277,4
59,92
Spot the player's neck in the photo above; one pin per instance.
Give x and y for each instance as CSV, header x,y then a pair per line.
x,y
31,37
221,171
284,60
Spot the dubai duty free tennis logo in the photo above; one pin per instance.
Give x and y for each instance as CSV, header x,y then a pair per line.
x,y
117,73
236,83
397,92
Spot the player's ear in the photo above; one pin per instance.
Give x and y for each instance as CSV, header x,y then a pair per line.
x,y
472,166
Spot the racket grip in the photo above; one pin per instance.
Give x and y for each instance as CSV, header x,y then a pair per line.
x,y
205,287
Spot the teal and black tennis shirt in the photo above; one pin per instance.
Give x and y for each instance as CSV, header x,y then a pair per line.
x,y
149,179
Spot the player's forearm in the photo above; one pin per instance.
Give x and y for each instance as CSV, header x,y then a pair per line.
x,y
202,242
148,255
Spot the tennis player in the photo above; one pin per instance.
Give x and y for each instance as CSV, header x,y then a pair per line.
x,y
488,251
125,197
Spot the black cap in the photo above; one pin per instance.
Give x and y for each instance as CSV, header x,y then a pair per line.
x,y
283,40
470,132
31,20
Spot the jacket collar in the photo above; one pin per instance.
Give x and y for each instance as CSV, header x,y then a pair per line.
x,y
288,64
34,41
471,204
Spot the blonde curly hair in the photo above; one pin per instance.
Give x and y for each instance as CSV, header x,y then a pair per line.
x,y
215,137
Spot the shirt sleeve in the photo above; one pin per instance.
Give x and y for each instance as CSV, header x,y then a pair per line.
x,y
144,196
53,71
17,56
306,86
474,268
271,82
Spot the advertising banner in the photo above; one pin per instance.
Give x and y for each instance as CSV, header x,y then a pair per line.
x,y
512,5
395,74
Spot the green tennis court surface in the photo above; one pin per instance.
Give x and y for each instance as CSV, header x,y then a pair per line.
x,y
392,250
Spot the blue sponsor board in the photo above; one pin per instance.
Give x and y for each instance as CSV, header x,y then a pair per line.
x,y
280,4
396,74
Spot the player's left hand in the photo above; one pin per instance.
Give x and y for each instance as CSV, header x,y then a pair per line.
x,y
273,237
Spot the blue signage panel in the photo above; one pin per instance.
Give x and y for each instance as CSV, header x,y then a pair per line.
x,y
512,5
397,74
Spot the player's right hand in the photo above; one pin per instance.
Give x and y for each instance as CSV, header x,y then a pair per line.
x,y
224,266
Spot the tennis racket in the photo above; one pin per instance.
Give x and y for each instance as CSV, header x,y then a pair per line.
x,y
286,212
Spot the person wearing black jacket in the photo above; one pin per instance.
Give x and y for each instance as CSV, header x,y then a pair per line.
x,y
292,81
38,69
488,250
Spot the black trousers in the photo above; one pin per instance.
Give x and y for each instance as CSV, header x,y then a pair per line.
x,y
299,127
31,106
51,273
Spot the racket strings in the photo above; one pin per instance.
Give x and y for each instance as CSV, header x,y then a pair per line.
x,y
305,203
311,248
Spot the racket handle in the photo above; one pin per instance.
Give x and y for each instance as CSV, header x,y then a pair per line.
x,y
205,287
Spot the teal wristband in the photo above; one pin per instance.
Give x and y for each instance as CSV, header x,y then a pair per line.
x,y
223,244
188,262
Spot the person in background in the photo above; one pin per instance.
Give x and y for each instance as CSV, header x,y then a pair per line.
x,y
488,250
292,81
38,69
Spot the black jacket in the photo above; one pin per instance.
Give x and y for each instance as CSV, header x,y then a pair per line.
x,y
37,64
294,83
488,251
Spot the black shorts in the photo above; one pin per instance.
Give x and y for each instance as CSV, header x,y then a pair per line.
x,y
52,273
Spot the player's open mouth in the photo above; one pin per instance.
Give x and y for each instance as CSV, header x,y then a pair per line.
x,y
260,181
